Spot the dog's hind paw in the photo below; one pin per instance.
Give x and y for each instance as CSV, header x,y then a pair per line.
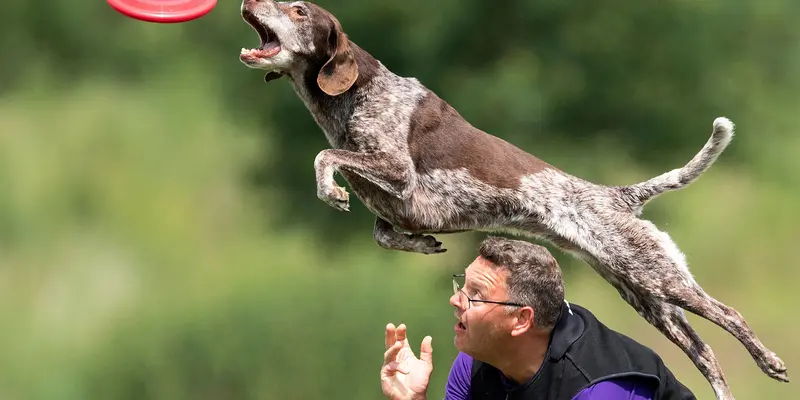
x,y
337,197
774,368
425,244
414,243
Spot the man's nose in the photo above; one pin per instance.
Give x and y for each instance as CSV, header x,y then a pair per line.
x,y
455,301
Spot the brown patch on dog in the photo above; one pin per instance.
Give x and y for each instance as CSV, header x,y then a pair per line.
x,y
295,13
337,65
341,70
440,138
367,65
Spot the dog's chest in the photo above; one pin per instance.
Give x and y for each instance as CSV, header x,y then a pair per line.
x,y
381,117
332,115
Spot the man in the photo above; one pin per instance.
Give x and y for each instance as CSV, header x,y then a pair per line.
x,y
519,339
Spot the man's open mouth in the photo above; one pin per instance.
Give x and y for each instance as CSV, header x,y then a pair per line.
x,y
459,325
270,46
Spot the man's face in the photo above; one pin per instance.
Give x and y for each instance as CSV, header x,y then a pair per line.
x,y
482,327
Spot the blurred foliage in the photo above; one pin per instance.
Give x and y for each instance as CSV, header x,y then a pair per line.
x,y
160,235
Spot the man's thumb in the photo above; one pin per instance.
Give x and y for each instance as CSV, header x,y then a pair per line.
x,y
426,350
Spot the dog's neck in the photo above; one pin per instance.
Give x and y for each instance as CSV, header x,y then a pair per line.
x,y
332,113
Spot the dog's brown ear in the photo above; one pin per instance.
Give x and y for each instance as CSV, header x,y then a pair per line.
x,y
271,76
341,70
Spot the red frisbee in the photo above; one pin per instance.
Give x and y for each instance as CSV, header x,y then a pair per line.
x,y
163,11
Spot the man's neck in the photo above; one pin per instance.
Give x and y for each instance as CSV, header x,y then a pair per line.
x,y
523,357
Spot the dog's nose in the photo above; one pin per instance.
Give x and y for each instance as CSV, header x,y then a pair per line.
x,y
246,3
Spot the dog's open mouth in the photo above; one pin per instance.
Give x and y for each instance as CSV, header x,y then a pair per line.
x,y
270,46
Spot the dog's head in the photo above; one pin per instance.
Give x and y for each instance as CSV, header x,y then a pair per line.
x,y
296,36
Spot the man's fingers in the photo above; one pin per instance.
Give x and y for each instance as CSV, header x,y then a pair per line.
x,y
390,336
391,354
426,350
401,334
389,369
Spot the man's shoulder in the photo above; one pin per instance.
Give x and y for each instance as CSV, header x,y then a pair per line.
x,y
604,333
459,378
594,341
463,362
627,387
621,356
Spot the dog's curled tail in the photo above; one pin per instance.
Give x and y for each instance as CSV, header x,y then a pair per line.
x,y
638,194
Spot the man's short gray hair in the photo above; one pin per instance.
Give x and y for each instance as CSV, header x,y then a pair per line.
x,y
534,277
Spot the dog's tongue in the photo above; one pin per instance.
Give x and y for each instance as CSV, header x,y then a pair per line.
x,y
269,49
265,51
269,46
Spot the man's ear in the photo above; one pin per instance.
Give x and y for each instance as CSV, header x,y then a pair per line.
x,y
341,70
271,76
524,321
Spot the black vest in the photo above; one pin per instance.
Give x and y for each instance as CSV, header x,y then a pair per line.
x,y
582,352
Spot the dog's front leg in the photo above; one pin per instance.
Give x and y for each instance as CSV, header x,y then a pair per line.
x,y
386,237
387,171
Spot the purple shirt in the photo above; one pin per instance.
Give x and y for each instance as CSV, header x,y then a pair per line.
x,y
625,388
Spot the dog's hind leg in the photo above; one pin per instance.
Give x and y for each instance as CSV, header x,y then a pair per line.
x,y
662,274
671,322
696,300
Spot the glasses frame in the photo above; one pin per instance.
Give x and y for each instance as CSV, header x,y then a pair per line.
x,y
457,288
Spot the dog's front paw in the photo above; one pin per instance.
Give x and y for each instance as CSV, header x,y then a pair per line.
x,y
426,244
337,197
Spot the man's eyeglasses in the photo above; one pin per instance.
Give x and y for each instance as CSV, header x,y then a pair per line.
x,y
458,280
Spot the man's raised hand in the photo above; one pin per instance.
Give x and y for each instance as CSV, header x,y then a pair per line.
x,y
403,375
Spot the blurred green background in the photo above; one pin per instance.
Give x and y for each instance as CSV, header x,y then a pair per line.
x,y
160,235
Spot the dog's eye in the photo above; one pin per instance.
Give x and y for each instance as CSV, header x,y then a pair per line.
x,y
299,11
